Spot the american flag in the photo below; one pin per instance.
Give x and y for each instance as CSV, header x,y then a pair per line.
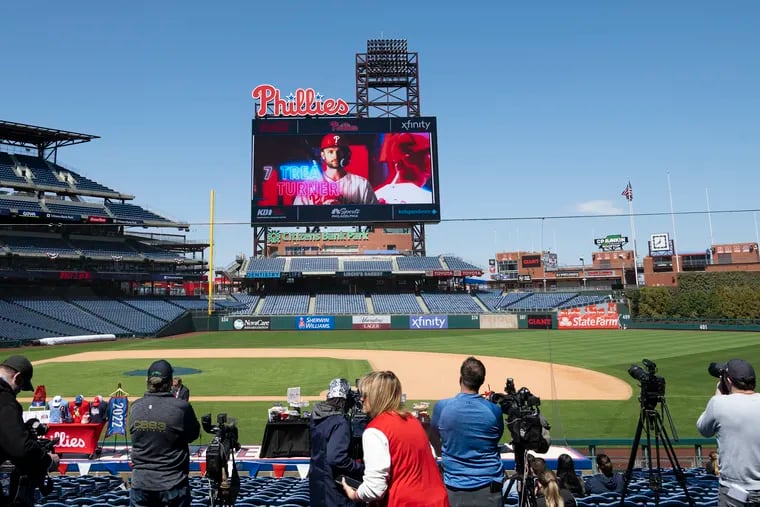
x,y
628,192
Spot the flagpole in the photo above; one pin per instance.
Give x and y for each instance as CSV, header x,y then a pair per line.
x,y
633,236
673,221
709,217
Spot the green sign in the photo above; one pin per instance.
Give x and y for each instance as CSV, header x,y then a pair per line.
x,y
611,242
274,237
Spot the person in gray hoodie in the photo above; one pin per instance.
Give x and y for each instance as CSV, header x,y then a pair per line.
x,y
330,448
607,480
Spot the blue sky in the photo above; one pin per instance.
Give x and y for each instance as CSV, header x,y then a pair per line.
x,y
543,110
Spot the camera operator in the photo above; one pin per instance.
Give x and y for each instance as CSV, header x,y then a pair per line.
x,y
732,415
465,431
16,443
161,427
330,447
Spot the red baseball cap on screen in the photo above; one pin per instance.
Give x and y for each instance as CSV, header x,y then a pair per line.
x,y
333,141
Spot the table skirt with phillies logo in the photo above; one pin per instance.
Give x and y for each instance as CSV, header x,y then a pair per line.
x,y
75,438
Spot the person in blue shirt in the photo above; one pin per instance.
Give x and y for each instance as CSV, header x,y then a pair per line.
x,y
465,430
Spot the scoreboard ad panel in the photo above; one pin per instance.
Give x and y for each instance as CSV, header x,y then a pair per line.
x,y
344,171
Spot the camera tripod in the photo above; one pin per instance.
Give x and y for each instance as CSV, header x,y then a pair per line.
x,y
522,479
651,422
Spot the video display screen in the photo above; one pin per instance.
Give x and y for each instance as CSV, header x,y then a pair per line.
x,y
331,171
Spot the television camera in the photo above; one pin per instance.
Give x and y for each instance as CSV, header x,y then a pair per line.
x,y
23,484
719,371
221,470
652,385
357,419
529,429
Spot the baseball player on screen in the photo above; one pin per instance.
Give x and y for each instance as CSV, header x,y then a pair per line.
x,y
346,187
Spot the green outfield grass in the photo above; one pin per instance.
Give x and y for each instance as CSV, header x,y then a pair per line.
x,y
682,357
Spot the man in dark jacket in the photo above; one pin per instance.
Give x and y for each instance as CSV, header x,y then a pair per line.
x,y
607,480
330,444
180,390
16,443
161,427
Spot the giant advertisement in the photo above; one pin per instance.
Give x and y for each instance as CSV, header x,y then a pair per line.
x,y
344,171
599,316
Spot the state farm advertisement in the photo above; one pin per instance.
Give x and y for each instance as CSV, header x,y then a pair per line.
x,y
601,316
371,322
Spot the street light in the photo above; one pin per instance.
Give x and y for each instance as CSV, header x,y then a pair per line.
x,y
583,264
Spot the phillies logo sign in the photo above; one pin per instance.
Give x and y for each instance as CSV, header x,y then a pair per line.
x,y
304,102
66,441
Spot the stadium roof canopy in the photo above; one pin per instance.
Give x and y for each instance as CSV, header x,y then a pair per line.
x,y
42,138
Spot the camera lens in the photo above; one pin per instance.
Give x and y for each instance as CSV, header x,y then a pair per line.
x,y
638,373
714,370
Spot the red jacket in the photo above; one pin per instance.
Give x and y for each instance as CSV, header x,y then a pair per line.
x,y
414,477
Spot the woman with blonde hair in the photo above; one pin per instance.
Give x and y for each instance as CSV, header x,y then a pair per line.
x,y
399,467
550,494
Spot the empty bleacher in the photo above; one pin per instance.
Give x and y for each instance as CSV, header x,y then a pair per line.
x,y
156,307
541,301
451,303
395,303
133,212
584,299
20,203
103,248
266,265
418,263
385,265
71,314
286,304
122,315
75,208
314,264
340,304
35,245
42,174
249,302
457,264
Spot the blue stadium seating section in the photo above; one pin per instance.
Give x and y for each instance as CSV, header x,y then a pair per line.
x,y
71,314
379,265
35,321
133,212
458,264
266,265
395,303
122,315
314,264
101,491
83,183
6,170
21,204
542,301
158,308
340,304
72,208
584,299
43,176
290,304
490,299
110,249
508,300
30,245
249,302
451,303
418,263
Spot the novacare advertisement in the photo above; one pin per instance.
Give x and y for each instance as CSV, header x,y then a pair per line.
x,y
312,323
601,316
428,322
371,322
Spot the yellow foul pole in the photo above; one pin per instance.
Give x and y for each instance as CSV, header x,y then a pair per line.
x,y
211,256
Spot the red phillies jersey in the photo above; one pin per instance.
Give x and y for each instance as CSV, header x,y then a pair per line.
x,y
414,477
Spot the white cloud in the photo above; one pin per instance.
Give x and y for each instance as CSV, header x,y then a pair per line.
x,y
598,208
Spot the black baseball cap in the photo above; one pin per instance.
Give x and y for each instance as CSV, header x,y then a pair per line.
x,y
161,369
740,372
24,367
